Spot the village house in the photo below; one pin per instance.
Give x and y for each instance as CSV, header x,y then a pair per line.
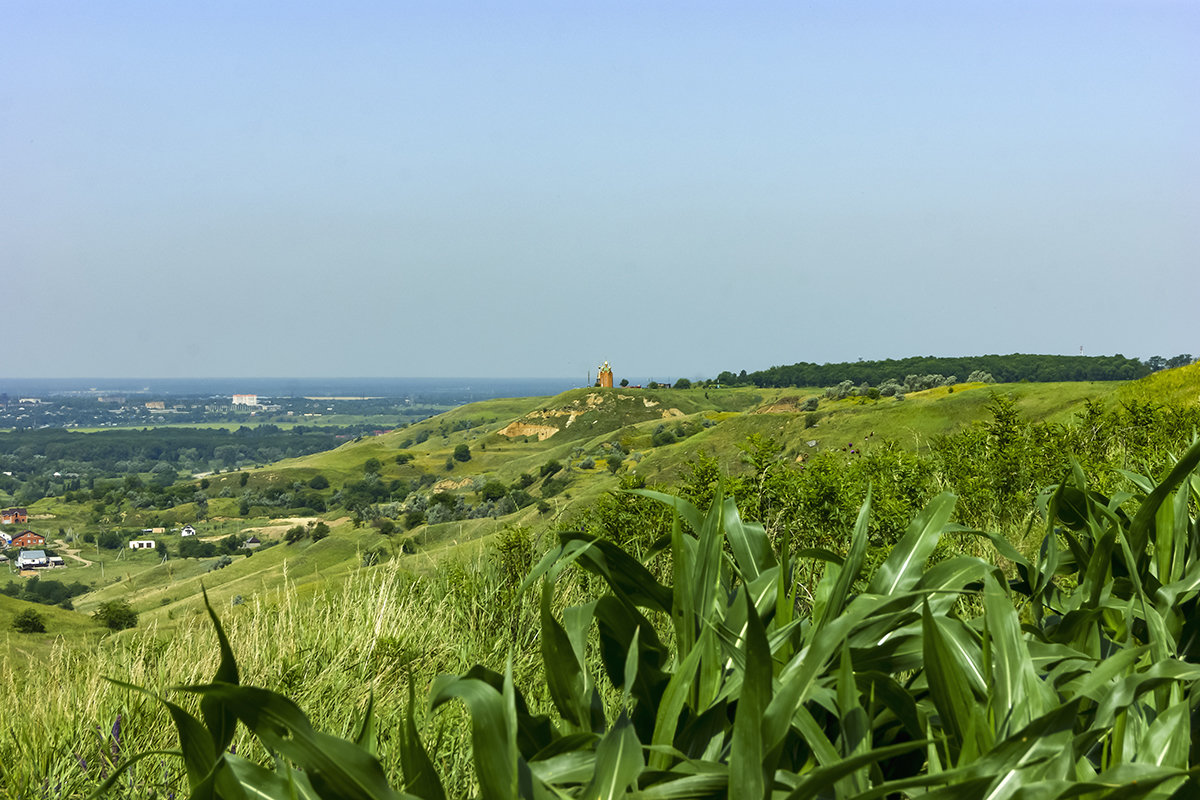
x,y
14,516
5,539
251,543
141,544
188,530
32,559
28,539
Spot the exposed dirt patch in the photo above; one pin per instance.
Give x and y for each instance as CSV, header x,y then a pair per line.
x,y
276,529
671,412
450,484
784,405
538,423
521,429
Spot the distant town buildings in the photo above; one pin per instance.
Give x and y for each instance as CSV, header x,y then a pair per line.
x,y
245,399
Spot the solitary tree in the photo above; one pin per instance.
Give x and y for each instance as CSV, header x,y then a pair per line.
x,y
462,453
116,615
29,621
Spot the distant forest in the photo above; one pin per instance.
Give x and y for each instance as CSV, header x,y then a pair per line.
x,y
50,461
1004,369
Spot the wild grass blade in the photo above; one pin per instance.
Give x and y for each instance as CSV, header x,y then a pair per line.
x,y
1143,521
747,750
219,718
748,542
844,575
674,699
904,564
420,776
564,674
331,763
619,761
195,741
493,742
949,686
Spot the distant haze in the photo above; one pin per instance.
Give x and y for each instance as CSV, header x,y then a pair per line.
x,y
530,188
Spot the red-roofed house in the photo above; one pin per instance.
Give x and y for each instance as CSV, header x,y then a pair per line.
x,y
14,516
29,539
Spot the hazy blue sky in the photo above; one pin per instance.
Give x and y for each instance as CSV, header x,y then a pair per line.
x,y
443,188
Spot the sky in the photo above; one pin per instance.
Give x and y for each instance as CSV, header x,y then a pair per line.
x,y
531,188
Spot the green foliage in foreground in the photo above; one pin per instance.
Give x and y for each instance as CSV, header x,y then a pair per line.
x,y
1076,678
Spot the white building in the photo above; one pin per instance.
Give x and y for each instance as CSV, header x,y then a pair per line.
x,y
32,558
188,530
141,544
245,399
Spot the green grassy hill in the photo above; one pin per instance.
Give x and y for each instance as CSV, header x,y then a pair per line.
x,y
654,433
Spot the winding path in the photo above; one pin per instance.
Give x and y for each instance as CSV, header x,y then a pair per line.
x,y
61,546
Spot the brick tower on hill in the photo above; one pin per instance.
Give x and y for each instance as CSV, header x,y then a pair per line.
x,y
606,376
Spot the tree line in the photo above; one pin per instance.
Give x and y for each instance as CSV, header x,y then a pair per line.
x,y
1004,369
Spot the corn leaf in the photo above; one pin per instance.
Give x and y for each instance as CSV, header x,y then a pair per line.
x,y
904,564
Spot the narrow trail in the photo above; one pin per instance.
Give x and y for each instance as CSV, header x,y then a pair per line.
x,y
61,546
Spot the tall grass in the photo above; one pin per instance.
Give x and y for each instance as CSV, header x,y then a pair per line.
x,y
916,672
330,650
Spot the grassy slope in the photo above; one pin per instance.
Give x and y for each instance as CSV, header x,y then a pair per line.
x,y
167,593
61,625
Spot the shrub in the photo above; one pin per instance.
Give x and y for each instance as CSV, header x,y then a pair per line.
x,y
493,490
191,547
520,498
462,453
295,534
318,482
116,615
321,530
29,621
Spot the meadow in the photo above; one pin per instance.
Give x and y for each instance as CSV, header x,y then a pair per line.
x,y
800,621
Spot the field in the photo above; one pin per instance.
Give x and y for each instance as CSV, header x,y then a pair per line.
x,y
389,600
